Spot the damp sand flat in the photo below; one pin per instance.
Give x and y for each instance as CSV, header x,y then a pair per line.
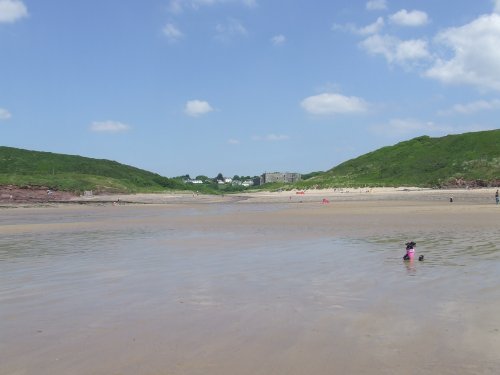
x,y
250,288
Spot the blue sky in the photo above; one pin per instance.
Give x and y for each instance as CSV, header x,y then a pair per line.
x,y
243,86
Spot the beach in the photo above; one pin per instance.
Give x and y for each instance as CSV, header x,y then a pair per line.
x,y
484,195
257,283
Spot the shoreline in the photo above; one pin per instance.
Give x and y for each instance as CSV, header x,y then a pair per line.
x,y
323,196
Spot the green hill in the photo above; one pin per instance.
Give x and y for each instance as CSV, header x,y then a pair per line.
x,y
471,159
76,173
455,160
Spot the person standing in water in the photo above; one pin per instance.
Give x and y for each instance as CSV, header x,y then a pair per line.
x,y
496,197
410,251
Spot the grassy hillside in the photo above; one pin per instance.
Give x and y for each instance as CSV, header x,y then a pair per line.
x,y
466,159
75,173
459,160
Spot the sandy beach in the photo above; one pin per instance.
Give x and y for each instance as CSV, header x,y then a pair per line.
x,y
259,283
27,198
484,195
463,196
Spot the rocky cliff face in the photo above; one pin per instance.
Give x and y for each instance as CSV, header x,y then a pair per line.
x,y
32,194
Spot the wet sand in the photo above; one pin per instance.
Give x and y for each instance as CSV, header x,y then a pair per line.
x,y
255,284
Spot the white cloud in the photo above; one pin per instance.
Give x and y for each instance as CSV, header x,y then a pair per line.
x,y
230,29
175,6
12,10
4,114
108,127
473,107
278,40
276,137
414,49
250,3
172,33
271,138
196,108
199,3
233,141
476,56
412,18
405,53
331,103
376,5
372,28
178,6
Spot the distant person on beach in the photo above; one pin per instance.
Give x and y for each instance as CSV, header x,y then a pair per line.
x,y
496,197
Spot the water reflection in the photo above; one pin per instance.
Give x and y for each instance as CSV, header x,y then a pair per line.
x,y
61,244
444,249
411,269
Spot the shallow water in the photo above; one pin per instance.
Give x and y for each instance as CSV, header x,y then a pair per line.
x,y
164,290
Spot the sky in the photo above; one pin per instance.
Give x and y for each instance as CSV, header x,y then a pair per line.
x,y
243,87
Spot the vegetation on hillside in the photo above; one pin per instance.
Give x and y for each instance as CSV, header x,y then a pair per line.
x,y
76,173
469,159
25,168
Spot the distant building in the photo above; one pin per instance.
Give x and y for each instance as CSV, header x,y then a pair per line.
x,y
286,177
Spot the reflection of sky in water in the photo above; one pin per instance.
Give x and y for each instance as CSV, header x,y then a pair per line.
x,y
443,249
65,243
120,227
92,214
457,266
